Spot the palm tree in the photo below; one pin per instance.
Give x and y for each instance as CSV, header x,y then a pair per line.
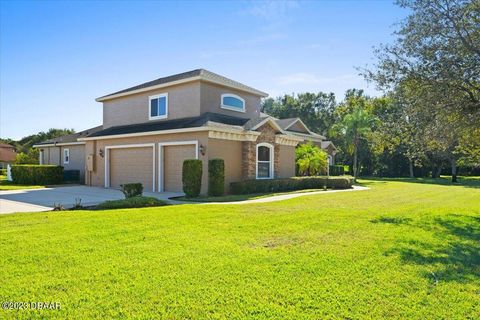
x,y
353,126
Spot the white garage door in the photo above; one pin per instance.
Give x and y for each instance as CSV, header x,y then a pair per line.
x,y
131,165
173,157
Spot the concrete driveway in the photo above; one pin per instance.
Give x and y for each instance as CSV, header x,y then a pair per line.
x,y
44,199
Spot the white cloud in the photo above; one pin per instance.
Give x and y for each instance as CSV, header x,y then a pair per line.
x,y
272,11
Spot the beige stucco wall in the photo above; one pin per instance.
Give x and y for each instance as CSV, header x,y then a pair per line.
x,y
231,153
287,162
183,101
211,101
54,156
97,177
51,155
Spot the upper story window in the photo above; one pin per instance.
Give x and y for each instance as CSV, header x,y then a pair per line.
x,y
158,105
66,156
233,102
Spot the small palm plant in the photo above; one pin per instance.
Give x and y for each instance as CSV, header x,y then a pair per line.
x,y
311,160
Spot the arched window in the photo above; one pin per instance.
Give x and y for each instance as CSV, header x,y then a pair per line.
x,y
233,102
265,156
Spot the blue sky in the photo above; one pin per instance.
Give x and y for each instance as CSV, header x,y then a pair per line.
x,y
57,57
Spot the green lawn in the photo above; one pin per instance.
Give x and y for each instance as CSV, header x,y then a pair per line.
x,y
402,250
7,185
239,197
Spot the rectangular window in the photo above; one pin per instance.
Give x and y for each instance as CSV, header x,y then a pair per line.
x,y
66,156
158,106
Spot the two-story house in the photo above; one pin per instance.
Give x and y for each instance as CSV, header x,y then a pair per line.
x,y
149,129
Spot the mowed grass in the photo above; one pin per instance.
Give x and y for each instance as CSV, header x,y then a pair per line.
x,y
401,250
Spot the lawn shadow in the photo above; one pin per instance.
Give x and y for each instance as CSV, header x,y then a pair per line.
x,y
467,182
455,256
391,220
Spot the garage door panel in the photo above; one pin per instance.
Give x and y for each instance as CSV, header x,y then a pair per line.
x,y
131,165
173,157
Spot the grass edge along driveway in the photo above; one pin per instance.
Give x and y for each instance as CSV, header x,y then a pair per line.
x,y
403,250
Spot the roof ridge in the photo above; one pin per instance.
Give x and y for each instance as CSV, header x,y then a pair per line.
x,y
201,72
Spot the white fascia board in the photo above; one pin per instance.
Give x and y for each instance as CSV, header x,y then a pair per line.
x,y
58,144
308,136
270,120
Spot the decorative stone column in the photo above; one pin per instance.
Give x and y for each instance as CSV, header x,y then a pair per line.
x,y
249,158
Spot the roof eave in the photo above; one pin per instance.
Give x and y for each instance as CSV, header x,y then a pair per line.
x,y
182,81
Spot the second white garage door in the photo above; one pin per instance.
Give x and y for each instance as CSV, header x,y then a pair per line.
x,y
173,157
131,165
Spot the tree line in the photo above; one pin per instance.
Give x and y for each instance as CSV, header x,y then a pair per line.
x,y
428,119
28,155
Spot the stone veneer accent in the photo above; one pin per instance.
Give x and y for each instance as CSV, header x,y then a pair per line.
x,y
249,153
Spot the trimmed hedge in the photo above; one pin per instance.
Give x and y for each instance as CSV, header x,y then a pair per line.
x,y
34,174
192,177
134,202
3,172
131,190
216,177
337,170
290,184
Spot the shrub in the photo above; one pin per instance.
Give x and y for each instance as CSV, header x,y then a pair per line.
x,y
289,184
31,174
337,170
134,202
216,177
131,190
192,177
310,160
3,172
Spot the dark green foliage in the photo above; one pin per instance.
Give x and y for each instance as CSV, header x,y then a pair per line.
x,y
131,190
71,175
337,170
133,202
192,177
25,144
216,177
3,172
289,184
31,174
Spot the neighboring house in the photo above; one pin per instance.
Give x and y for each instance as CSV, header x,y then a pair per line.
x,y
149,129
7,155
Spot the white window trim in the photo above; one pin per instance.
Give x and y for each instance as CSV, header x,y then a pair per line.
x,y
150,98
67,152
125,146
161,163
272,160
225,95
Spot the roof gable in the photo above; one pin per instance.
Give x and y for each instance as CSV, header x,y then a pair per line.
x,y
194,75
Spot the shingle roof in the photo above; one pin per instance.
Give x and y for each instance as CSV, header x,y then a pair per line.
x,y
5,145
204,74
71,137
283,123
192,122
